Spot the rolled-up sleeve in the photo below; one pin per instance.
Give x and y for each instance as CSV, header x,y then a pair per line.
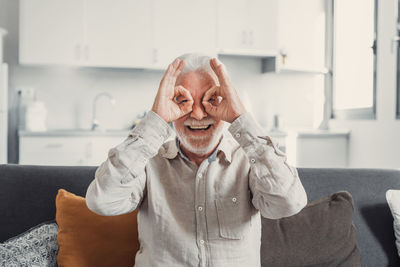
x,y
275,185
120,181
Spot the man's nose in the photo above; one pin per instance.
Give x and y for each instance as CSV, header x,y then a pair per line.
x,y
198,112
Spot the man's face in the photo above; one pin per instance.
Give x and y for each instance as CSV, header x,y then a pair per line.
x,y
197,131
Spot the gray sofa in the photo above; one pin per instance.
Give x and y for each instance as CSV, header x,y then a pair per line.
x,y
27,198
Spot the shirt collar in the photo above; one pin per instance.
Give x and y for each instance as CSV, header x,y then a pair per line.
x,y
225,148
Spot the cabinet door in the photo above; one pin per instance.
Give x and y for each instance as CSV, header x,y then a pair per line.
x,y
51,31
183,26
118,33
66,150
231,24
302,32
262,24
45,150
247,24
327,152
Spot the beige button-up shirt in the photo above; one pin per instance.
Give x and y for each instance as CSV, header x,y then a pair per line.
x,y
189,215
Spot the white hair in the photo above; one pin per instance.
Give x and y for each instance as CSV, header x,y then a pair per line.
x,y
196,62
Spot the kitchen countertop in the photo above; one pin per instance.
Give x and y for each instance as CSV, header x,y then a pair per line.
x,y
85,132
301,132
75,132
310,132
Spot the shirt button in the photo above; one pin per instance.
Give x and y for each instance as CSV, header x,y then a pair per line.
x,y
234,199
253,161
200,208
237,135
200,175
202,241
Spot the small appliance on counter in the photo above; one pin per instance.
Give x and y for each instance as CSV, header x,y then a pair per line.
x,y
36,117
32,114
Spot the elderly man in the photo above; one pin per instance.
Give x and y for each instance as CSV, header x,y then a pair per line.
x,y
200,196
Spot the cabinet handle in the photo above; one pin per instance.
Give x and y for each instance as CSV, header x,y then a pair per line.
x,y
86,52
251,38
56,145
155,55
77,52
244,37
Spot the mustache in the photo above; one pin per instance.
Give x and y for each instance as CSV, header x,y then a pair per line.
x,y
193,122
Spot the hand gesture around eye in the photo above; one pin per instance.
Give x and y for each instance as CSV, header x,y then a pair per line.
x,y
172,102
222,102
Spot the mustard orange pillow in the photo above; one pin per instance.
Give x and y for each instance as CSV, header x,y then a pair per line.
x,y
86,239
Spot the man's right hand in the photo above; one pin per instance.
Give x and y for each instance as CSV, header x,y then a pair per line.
x,y
172,102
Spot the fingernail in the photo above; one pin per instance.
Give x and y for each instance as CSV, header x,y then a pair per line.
x,y
218,61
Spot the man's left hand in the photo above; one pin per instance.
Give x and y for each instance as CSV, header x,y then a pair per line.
x,y
222,102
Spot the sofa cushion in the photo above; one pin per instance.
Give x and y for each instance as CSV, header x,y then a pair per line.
x,y
35,247
88,239
322,234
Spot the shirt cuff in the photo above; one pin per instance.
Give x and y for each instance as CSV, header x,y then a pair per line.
x,y
246,130
152,128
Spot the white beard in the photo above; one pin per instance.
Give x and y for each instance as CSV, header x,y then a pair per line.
x,y
200,150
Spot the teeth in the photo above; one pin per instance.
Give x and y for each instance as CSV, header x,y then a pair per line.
x,y
198,127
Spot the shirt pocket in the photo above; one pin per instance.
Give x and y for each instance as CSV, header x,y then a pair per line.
x,y
234,217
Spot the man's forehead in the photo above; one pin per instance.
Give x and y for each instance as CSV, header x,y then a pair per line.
x,y
197,79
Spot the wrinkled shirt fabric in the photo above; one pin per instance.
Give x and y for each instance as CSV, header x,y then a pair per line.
x,y
197,216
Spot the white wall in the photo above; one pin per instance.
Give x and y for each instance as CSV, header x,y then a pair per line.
x,y
376,143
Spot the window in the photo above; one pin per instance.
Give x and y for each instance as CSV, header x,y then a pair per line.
x,y
354,59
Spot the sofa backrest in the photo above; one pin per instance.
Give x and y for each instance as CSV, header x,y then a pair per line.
x,y
28,194
27,198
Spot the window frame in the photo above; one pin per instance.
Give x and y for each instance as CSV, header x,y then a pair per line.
x,y
368,113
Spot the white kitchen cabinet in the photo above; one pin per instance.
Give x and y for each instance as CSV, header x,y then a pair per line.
x,y
65,150
247,26
318,148
100,33
302,27
116,33
150,34
51,31
183,26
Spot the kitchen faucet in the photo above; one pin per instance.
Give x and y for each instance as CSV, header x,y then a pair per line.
x,y
95,123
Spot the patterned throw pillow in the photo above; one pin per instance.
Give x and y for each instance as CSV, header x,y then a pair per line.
x,y
35,247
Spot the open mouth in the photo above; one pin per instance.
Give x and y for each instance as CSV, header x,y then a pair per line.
x,y
199,128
